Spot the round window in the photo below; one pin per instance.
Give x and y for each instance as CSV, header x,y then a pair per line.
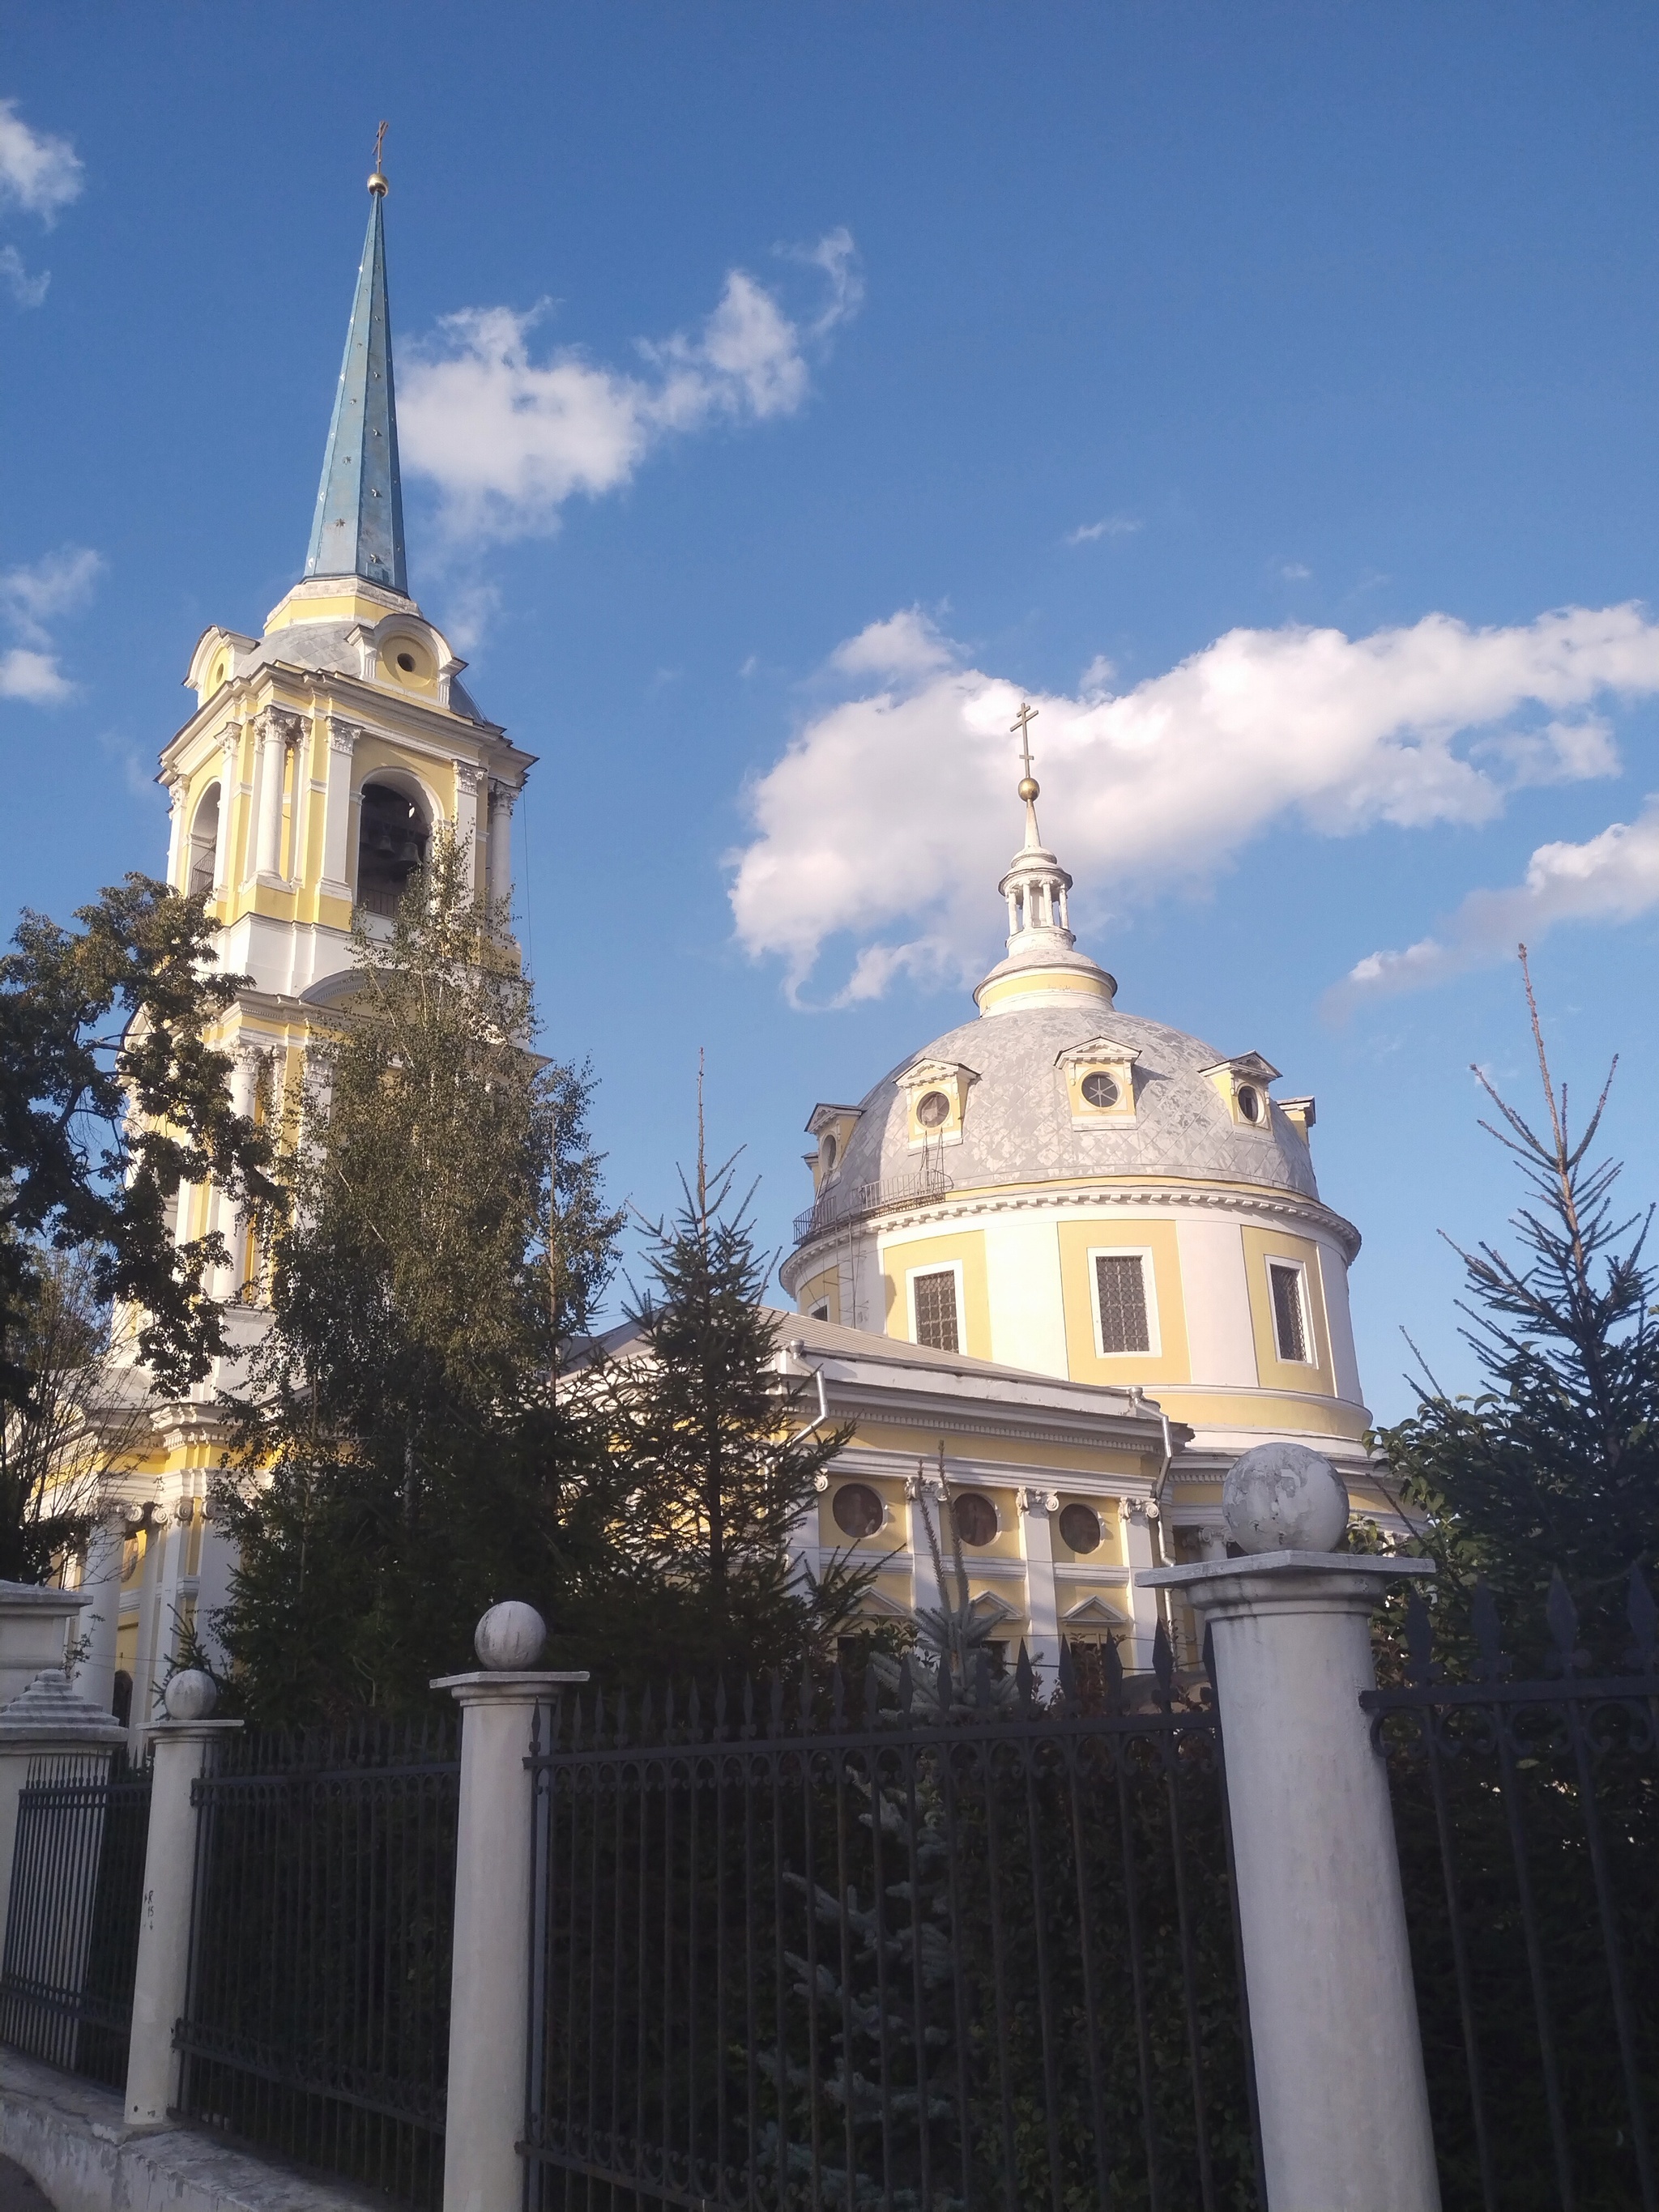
x,y
857,1509
1250,1103
1098,1088
826,1153
406,662
976,1517
1080,1526
932,1110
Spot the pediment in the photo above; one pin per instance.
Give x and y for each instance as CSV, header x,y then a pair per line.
x,y
1093,1612
1097,1050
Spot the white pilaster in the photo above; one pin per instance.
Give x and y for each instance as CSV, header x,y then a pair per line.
x,y
502,797
175,790
343,736
230,748
1041,1601
1339,2061
102,1585
1138,1557
469,782
275,730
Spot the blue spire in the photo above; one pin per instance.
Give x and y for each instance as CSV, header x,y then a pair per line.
x,y
359,525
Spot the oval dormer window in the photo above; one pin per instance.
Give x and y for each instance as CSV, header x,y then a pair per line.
x,y
390,847
1098,1088
1249,1103
826,1153
932,1110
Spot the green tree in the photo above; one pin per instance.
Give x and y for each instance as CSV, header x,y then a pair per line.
x,y
718,1457
402,1455
1555,1463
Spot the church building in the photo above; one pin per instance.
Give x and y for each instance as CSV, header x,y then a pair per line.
x,y
1060,1267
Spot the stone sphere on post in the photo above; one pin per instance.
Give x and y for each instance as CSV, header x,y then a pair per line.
x,y
191,1695
1284,1498
509,1639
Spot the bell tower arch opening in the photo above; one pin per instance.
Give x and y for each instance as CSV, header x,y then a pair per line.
x,y
393,831
204,842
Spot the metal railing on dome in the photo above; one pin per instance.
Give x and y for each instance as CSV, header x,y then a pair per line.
x,y
857,1198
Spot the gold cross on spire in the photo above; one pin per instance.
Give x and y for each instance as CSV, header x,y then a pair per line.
x,y
377,181
1022,725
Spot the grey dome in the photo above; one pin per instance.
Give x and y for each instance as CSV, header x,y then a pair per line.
x,y
1017,1127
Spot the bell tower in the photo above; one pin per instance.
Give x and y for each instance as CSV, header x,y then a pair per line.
x,y
316,764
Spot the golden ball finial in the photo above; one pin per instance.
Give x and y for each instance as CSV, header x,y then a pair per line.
x,y
1029,788
378,185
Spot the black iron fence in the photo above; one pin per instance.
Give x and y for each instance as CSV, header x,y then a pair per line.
x,y
926,1948
77,1882
1527,1819
319,2012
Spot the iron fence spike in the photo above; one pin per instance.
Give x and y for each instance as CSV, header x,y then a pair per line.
x,y
1112,1660
1163,1664
1067,1677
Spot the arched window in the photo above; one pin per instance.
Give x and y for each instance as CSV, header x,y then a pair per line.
x,y
391,839
203,841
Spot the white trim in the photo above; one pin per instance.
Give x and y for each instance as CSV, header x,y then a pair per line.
x,y
1310,1334
1154,1345
953,1268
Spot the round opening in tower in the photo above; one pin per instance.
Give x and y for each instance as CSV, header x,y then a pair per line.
x,y
1098,1088
1249,1105
392,841
826,1153
932,1110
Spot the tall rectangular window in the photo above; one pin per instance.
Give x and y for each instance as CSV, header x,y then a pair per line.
x,y
935,1297
1121,1293
1290,1315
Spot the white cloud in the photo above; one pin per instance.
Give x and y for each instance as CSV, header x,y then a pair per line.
x,y
35,677
1610,878
28,291
38,173
507,439
1294,572
31,599
886,822
1111,525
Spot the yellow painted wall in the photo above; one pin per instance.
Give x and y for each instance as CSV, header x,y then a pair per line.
x,y
1318,1375
1083,1362
900,1261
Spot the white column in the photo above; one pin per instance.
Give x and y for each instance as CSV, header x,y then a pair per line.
x,y
304,749
273,753
184,1749
502,799
336,809
1339,2062
230,748
469,782
1041,1601
175,788
490,1988
95,1676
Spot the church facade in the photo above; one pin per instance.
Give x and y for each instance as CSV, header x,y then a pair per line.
x,y
1060,1267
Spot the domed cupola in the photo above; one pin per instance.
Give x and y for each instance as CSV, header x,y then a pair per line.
x,y
1043,967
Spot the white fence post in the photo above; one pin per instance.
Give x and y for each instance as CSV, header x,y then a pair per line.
x,y
489,1984
1338,2060
182,1744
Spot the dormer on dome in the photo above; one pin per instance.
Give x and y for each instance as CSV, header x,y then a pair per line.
x,y
1099,1076
832,1125
220,656
1243,1083
935,1093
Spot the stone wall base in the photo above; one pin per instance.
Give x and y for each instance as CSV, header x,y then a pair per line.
x,y
70,2137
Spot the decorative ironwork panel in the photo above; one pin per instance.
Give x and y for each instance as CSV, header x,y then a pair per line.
x,y
1527,1819
319,2012
916,1954
77,1883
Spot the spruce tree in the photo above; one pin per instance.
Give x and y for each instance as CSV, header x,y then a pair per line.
x,y
718,1455
1554,1464
403,1456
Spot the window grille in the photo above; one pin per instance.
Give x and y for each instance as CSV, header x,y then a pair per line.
x,y
1289,1324
936,1309
1121,1282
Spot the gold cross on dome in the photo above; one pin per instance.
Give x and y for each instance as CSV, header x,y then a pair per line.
x,y
1022,723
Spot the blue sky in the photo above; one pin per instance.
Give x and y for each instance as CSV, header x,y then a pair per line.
x,y
1269,391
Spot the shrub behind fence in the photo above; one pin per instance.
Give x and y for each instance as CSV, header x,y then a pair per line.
x,y
317,2019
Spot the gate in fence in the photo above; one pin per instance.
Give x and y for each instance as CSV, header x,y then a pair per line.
x,y
318,2018
1526,1816
71,1938
942,1945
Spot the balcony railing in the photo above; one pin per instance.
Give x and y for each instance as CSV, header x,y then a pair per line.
x,y
852,1201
